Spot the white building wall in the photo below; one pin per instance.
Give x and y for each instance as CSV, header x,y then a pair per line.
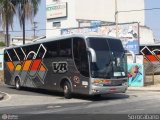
x,y
133,16
146,36
95,10
69,21
103,10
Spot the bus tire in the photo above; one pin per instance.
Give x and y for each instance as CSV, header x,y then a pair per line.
x,y
67,90
17,83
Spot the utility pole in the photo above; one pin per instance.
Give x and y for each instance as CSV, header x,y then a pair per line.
x,y
34,28
116,18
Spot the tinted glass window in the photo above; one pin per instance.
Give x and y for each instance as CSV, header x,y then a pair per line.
x,y
115,45
41,52
52,49
81,56
13,55
20,53
6,57
65,49
98,44
31,51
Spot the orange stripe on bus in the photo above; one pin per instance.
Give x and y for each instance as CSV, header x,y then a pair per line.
x,y
42,68
35,64
27,65
10,66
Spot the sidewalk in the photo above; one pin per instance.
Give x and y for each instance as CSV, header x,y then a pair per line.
x,y
154,88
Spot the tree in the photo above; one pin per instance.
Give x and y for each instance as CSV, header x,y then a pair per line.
x,y
7,12
27,9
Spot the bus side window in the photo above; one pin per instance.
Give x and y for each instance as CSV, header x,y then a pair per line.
x,y
13,55
65,48
80,56
6,57
52,49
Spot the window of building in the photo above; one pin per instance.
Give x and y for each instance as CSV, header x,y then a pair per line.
x,y
55,0
56,24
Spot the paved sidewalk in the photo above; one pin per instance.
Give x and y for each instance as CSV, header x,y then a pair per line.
x,y
154,88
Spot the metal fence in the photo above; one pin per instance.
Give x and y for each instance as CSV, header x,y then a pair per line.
x,y
152,73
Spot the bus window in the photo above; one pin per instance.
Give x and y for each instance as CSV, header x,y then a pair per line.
x,y
80,56
13,55
52,49
6,57
65,49
20,53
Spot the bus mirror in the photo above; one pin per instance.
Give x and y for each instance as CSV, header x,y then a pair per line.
x,y
133,55
93,54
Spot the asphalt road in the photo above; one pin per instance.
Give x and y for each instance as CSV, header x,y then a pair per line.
x,y
39,102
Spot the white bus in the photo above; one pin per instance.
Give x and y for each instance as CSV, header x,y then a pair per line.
x,y
83,64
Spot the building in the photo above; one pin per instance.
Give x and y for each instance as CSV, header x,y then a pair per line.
x,y
79,13
18,40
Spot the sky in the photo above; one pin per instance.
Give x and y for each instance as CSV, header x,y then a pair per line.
x,y
152,20
40,18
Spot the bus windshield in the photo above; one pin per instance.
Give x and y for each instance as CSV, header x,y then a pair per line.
x,y
111,61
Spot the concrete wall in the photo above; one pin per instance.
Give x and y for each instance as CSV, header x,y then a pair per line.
x,y
103,10
69,21
146,36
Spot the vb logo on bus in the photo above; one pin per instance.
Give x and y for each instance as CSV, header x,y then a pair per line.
x,y
60,67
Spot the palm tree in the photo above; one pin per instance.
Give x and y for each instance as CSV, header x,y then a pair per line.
x,y
27,9
7,12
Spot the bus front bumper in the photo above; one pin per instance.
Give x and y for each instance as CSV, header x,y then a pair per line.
x,y
108,89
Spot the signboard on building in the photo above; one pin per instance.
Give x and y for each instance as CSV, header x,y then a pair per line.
x,y
128,33
56,10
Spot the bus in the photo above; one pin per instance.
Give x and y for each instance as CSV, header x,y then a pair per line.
x,y
73,64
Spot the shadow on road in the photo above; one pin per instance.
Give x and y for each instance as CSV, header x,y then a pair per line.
x,y
103,97
43,92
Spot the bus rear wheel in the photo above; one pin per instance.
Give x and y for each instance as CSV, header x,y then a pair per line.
x,y
17,84
67,90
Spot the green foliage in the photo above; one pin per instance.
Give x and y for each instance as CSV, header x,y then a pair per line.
x,y
2,44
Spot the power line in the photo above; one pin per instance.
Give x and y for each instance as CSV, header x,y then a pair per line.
x,y
139,10
30,30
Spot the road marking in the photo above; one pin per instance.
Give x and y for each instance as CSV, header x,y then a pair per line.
x,y
5,94
51,107
139,109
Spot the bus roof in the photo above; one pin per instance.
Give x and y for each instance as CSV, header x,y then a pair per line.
x,y
61,38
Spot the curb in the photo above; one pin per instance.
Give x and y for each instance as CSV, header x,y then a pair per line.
x,y
1,96
141,89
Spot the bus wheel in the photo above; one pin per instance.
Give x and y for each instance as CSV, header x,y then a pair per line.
x,y
67,90
17,84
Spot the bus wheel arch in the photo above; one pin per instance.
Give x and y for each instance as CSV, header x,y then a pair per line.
x,y
17,83
66,85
